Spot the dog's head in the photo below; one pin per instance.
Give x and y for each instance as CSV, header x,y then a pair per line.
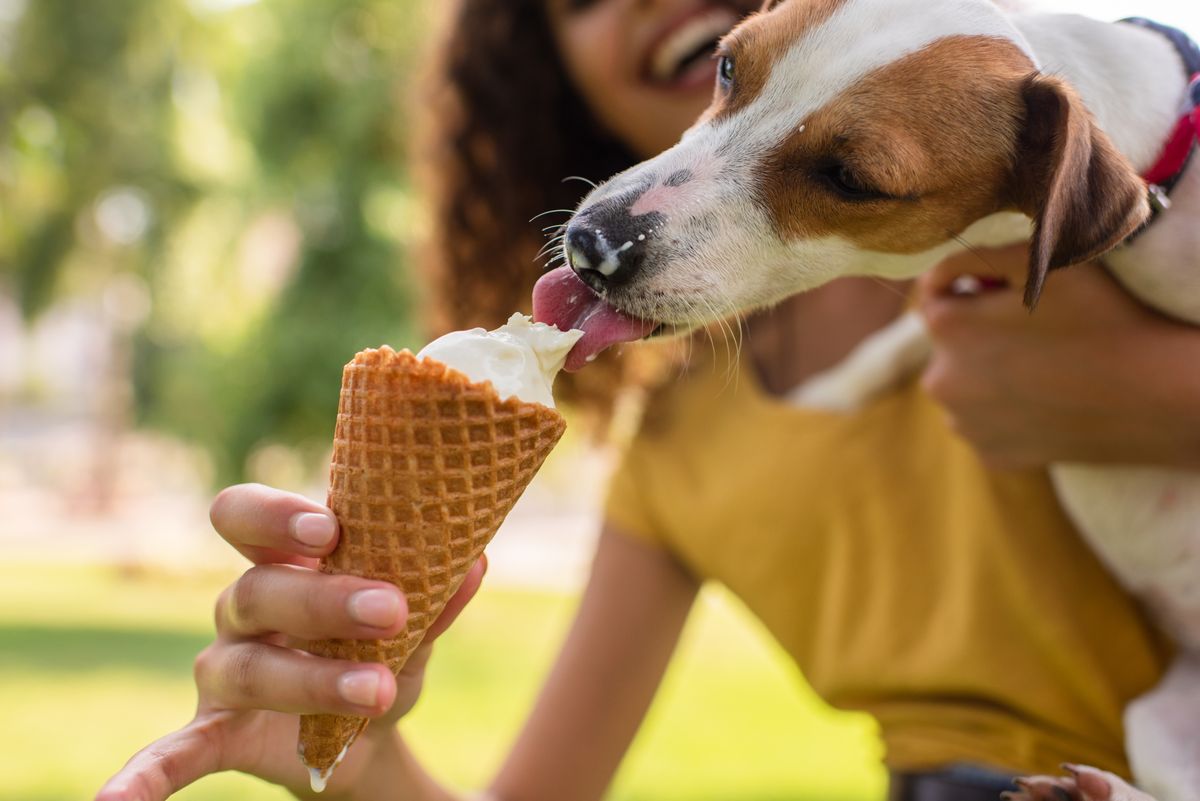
x,y
845,137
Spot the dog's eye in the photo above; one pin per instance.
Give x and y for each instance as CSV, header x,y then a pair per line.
x,y
846,183
725,70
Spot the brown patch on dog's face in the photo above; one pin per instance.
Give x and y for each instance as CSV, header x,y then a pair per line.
x,y
758,43
930,138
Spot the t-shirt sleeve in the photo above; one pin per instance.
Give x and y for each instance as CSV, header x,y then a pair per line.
x,y
627,504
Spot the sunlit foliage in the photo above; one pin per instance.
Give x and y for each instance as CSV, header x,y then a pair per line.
x,y
241,166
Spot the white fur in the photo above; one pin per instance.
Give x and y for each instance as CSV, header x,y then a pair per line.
x,y
877,365
1159,723
707,274
1131,78
858,39
1144,523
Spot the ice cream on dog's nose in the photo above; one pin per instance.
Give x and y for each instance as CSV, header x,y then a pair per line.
x,y
521,358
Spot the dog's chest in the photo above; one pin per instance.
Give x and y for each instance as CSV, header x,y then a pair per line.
x,y
1145,523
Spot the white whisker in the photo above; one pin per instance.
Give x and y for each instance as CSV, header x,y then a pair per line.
x,y
551,211
587,181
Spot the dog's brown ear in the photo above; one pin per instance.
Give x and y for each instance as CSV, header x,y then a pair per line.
x,y
769,5
1082,194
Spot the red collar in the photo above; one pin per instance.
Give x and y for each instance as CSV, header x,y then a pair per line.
x,y
1178,150
1177,154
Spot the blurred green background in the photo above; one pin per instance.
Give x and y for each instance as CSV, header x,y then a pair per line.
x,y
228,180
101,664
205,209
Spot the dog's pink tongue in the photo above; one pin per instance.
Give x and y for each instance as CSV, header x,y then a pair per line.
x,y
561,298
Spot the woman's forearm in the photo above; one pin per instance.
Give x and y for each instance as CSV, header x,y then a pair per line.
x,y
394,774
628,624
1090,376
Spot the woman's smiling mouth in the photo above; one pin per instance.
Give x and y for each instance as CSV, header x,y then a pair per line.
x,y
680,55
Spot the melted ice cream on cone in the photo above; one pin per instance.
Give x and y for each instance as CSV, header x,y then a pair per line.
x,y
430,454
521,358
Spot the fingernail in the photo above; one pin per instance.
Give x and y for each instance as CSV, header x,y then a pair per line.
x,y
377,608
313,530
360,688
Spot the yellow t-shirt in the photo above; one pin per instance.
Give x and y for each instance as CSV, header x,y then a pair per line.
x,y
955,604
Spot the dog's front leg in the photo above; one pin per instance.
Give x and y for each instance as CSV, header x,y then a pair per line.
x,y
1163,733
883,361
1083,784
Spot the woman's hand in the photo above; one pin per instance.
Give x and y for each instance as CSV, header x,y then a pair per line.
x,y
1090,376
253,684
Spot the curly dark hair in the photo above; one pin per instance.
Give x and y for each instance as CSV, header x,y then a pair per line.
x,y
504,129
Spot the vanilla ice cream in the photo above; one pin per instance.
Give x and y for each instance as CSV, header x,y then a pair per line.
x,y
521,358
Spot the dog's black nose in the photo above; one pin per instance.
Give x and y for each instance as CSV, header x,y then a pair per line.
x,y
600,263
607,253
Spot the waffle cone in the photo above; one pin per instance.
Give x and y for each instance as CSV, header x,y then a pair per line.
x,y
426,465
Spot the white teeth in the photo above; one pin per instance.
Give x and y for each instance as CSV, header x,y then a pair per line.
x,y
683,41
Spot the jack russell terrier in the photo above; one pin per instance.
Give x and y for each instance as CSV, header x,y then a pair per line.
x,y
877,137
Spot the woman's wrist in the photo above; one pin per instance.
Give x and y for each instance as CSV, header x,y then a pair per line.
x,y
1166,380
389,771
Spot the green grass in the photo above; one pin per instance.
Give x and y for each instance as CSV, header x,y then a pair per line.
x,y
96,663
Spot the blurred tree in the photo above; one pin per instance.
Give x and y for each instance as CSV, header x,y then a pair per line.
x,y
83,107
320,94
243,158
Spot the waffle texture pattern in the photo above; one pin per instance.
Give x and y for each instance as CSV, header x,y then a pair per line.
x,y
426,465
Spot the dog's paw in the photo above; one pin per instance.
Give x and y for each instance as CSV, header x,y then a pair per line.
x,y
1044,788
1082,784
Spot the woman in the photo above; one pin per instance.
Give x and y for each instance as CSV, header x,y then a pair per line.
x,y
952,602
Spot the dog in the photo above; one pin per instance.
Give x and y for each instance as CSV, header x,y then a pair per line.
x,y
877,137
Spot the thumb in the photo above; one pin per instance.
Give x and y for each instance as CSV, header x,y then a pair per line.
x,y
975,272
171,763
